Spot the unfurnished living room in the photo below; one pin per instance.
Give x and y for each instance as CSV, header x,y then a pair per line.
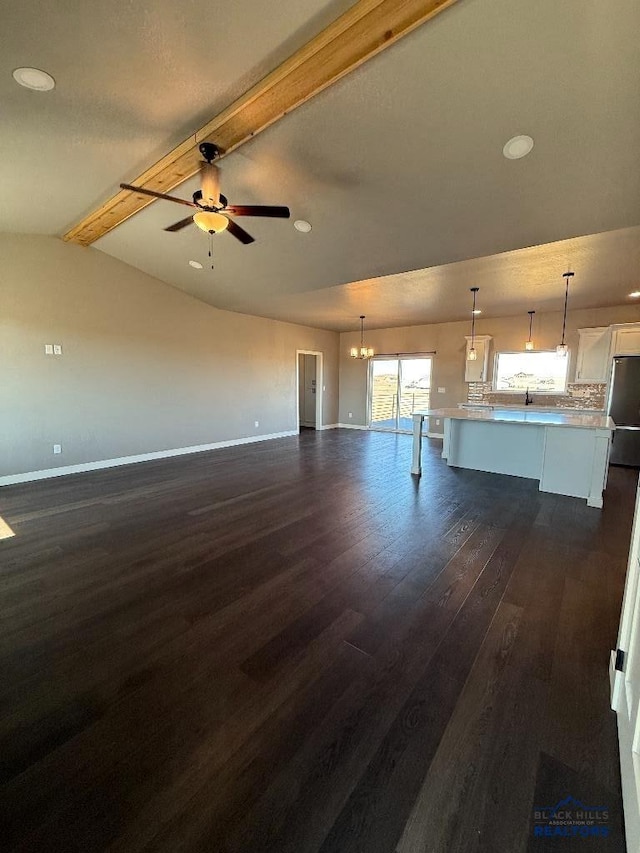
x,y
320,426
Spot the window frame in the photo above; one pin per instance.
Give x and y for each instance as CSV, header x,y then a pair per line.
x,y
519,391
399,357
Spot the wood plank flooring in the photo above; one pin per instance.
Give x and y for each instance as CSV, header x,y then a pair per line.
x,y
298,647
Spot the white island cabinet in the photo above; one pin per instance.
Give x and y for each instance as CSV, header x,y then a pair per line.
x,y
567,452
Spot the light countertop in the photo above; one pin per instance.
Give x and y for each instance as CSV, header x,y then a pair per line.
x,y
558,418
532,408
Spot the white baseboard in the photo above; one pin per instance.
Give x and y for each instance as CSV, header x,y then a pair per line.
x,y
351,426
29,476
328,426
435,435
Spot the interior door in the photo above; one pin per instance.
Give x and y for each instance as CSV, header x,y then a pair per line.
x,y
625,697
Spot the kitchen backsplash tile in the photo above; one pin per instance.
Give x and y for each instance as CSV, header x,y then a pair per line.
x,y
578,396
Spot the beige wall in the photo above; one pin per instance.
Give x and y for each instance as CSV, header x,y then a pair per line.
x,y
144,367
448,340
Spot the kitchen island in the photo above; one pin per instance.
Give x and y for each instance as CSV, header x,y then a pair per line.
x,y
566,451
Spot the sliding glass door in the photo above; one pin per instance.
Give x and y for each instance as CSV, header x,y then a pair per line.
x,y
397,387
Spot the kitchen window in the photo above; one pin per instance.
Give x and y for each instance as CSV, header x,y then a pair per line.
x,y
542,372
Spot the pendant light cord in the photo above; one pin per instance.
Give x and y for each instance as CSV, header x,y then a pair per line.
x,y
567,276
473,317
531,313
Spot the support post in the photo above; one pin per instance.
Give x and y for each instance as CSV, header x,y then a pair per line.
x,y
416,462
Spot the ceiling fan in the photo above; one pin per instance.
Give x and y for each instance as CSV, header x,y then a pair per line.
x,y
213,212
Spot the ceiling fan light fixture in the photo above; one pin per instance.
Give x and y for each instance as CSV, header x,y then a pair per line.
x,y
635,294
210,221
302,225
34,78
195,264
517,147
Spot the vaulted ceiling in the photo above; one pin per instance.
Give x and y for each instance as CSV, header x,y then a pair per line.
x,y
398,166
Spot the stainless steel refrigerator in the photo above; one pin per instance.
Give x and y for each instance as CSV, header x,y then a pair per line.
x,y
624,408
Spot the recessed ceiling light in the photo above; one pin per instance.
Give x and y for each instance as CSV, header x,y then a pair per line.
x,y
302,225
635,294
34,78
477,311
195,264
517,147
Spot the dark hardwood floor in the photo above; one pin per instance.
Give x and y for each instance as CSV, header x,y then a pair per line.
x,y
298,647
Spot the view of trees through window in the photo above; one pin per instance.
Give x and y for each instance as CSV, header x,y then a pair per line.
x,y
535,371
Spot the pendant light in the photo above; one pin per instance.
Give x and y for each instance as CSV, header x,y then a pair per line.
x,y
529,344
562,349
472,355
363,351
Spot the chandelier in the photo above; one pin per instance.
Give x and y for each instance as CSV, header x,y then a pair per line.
x,y
362,351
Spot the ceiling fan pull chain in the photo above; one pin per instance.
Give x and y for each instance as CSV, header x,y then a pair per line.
x,y
211,247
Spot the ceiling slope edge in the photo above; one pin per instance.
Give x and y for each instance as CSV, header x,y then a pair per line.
x,y
362,32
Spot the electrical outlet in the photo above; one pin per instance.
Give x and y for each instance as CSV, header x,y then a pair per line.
x,y
437,421
350,414
256,423
48,349
442,390
57,349
57,448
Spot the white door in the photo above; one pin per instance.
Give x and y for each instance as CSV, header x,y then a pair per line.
x,y
625,693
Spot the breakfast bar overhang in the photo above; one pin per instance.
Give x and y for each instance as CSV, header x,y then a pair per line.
x,y
567,452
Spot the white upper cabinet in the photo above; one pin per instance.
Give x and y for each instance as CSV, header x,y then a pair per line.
x,y
626,340
593,362
478,370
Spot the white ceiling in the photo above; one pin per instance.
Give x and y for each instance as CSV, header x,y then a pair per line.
x,y
399,166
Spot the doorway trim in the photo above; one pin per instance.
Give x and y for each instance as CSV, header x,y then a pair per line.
x,y
319,386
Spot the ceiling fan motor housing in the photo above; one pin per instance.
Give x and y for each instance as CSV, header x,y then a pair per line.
x,y
209,151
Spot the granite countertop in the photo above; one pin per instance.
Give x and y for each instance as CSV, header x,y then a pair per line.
x,y
532,408
557,418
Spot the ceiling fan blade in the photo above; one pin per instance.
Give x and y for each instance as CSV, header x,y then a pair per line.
x,y
210,184
239,233
258,210
154,194
178,226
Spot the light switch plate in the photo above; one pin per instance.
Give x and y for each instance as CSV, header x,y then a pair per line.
x,y
57,448
442,390
48,349
57,349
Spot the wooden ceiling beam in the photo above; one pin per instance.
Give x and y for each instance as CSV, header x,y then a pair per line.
x,y
364,30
